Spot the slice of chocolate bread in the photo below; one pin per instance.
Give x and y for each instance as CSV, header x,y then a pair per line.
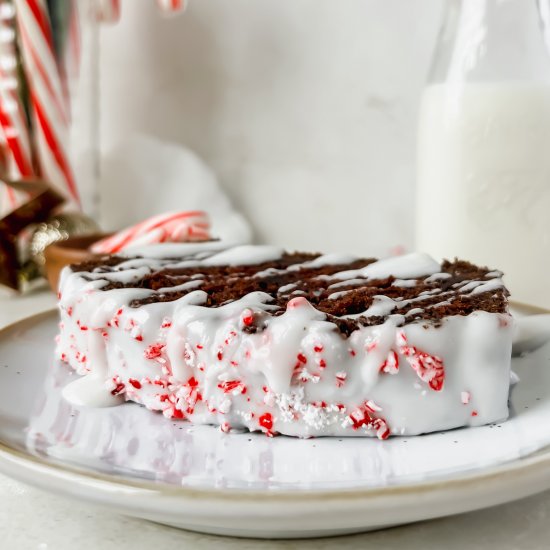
x,y
300,344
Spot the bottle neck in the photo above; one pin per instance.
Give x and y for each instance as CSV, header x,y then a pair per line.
x,y
493,41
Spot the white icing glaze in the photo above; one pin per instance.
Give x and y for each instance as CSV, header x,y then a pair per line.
x,y
90,391
172,250
437,277
346,282
327,259
408,266
337,295
287,288
297,376
488,287
381,305
184,286
404,283
245,255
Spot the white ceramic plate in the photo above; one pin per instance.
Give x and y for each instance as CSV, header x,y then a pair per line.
x,y
142,464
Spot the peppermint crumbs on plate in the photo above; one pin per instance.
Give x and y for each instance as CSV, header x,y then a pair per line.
x,y
300,344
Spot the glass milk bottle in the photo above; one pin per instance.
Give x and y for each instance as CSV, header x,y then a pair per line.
x,y
483,181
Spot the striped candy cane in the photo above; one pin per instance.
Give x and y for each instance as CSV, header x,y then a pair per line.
x,y
38,50
172,6
13,120
73,50
8,199
170,227
12,115
48,100
107,11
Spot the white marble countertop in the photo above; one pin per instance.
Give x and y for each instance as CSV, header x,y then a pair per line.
x,y
32,519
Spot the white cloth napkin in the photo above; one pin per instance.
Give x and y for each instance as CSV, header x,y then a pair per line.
x,y
144,176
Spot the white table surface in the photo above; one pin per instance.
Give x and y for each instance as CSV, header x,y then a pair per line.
x,y
32,519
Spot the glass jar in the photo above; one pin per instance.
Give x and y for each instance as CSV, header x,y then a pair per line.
x,y
48,99
483,180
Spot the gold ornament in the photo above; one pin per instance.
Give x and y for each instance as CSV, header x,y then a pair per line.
x,y
58,228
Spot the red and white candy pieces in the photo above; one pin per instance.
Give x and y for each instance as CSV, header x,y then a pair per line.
x,y
172,227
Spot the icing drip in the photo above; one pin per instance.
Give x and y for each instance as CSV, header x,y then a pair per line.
x,y
245,255
408,266
91,391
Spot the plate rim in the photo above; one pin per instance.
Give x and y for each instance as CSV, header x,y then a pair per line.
x,y
516,470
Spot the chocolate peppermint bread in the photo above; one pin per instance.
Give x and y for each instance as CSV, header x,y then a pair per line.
x,y
292,343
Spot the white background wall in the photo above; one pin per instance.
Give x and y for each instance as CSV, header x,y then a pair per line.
x,y
305,109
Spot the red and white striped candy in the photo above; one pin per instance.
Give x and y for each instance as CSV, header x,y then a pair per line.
x,y
172,6
107,11
170,227
47,95
13,123
72,52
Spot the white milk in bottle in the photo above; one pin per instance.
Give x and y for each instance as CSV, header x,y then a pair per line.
x,y
483,165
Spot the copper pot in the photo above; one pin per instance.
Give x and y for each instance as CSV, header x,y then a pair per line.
x,y
73,250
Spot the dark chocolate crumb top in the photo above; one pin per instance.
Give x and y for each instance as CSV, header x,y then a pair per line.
x,y
426,299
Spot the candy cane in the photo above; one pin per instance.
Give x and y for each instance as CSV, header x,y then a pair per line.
x,y
170,227
35,27
49,107
13,120
12,115
17,162
107,11
15,132
73,51
8,200
172,6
